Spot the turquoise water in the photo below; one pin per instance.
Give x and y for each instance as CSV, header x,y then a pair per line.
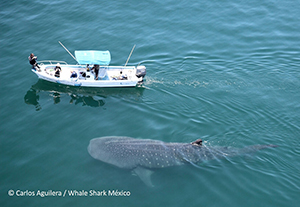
x,y
223,71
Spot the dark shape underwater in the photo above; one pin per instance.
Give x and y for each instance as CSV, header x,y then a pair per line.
x,y
141,155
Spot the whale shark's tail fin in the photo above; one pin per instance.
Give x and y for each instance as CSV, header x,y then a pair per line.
x,y
254,148
260,147
222,152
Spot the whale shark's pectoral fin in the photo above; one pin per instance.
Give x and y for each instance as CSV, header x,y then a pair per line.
x,y
145,175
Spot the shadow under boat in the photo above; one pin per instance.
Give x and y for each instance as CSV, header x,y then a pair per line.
x,y
93,97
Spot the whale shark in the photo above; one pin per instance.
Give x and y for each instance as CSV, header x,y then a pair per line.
x,y
142,155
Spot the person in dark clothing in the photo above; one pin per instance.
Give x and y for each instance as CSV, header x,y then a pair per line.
x,y
32,60
73,74
96,70
57,70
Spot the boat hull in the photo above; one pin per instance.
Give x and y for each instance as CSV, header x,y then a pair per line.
x,y
108,77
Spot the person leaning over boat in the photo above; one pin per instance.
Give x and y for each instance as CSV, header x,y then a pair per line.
x,y
32,60
96,70
73,74
57,70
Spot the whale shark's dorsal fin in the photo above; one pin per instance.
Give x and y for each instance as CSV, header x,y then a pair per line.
x,y
198,142
145,175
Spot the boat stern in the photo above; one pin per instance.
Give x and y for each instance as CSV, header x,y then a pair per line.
x,y
140,71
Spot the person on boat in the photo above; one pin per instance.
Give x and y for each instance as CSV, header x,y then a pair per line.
x,y
83,74
32,60
57,70
96,70
74,74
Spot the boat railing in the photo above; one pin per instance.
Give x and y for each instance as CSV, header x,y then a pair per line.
x,y
119,67
52,62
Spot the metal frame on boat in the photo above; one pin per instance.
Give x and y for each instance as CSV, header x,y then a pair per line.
x,y
92,70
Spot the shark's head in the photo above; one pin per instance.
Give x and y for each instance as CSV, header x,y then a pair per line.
x,y
93,148
111,150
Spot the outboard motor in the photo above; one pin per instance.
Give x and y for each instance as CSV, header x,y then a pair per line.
x,y
140,71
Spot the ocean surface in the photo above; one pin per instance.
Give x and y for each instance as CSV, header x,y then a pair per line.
x,y
224,71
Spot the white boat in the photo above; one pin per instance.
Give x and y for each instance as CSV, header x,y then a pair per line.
x,y
84,73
